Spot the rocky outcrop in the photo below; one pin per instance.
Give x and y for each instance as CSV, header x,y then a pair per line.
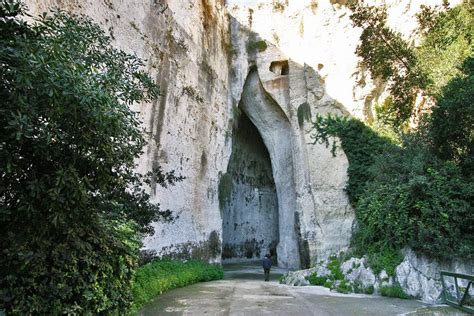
x,y
417,276
281,96
420,276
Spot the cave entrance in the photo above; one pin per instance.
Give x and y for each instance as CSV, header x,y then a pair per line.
x,y
250,210
275,213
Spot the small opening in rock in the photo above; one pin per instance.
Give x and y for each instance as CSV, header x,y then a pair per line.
x,y
279,67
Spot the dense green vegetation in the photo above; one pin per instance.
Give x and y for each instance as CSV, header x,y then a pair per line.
x,y
334,266
394,291
159,276
72,208
336,280
413,186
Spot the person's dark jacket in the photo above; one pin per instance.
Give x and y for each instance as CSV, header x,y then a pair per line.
x,y
267,263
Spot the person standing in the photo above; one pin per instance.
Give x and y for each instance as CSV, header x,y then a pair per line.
x,y
267,264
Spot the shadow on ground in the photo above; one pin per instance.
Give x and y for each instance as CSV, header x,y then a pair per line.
x,y
250,271
243,292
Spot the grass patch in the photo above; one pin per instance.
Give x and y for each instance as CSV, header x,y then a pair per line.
x,y
360,288
159,276
281,280
394,291
334,267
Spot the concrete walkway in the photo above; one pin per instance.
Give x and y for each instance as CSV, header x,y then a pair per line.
x,y
243,292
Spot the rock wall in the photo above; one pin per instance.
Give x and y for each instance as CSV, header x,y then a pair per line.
x,y
281,62
300,55
315,215
418,277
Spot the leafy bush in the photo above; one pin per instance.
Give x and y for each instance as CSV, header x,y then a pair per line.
x,y
159,276
281,279
357,287
344,287
403,195
416,200
72,207
314,279
394,291
385,259
334,266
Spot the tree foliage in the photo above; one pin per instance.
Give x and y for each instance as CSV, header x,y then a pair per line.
x,y
447,41
402,195
417,200
418,191
451,126
71,203
389,57
409,70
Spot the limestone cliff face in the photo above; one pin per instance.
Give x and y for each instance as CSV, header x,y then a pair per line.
x,y
278,62
293,60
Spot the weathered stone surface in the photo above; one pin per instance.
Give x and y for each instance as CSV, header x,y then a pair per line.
x,y
420,276
312,180
273,62
298,278
356,271
249,198
278,136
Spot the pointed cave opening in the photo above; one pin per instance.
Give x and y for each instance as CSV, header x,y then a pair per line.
x,y
250,209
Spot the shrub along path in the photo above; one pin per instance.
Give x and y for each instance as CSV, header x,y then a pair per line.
x,y
243,292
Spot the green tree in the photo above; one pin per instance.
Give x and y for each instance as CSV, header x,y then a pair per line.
x,y
416,191
415,199
446,43
451,126
389,57
72,208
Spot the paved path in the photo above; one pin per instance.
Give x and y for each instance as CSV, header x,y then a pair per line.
x,y
243,292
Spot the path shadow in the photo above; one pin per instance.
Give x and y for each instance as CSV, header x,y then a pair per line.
x,y
250,271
